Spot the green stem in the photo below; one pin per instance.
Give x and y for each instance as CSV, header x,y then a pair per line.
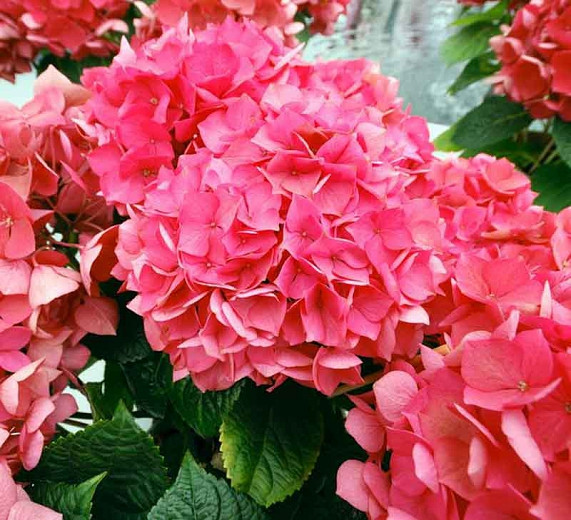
x,y
542,155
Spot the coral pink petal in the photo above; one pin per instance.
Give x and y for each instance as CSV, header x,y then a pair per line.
x,y
393,392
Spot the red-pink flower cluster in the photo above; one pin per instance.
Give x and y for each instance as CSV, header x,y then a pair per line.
x,y
45,198
77,27
15,503
278,14
535,53
481,426
269,231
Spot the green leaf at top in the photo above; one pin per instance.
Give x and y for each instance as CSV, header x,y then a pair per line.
x,y
471,41
553,182
271,441
135,479
73,501
203,411
495,119
197,495
496,13
562,135
476,69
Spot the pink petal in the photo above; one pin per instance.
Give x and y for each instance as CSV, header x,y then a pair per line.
x,y
516,429
49,283
98,316
351,486
393,392
366,429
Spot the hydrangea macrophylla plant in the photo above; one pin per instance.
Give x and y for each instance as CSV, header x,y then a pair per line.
x,y
78,28
478,432
45,192
282,225
285,16
519,49
535,53
269,232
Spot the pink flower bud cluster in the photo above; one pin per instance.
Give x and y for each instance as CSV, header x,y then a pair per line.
x,y
535,52
46,196
281,15
77,27
481,426
269,232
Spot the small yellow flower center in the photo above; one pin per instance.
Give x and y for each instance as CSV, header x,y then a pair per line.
x,y
154,101
7,222
523,386
148,173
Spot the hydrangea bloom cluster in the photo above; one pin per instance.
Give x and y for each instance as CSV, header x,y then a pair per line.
x,y
44,309
78,27
15,503
535,53
481,426
269,231
279,14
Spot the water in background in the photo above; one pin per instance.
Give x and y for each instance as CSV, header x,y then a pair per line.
x,y
404,36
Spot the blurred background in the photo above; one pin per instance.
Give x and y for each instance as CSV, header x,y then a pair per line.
x,y
404,36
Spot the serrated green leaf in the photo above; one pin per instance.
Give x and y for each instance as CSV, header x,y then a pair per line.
x,y
317,499
553,182
73,501
471,41
203,411
105,397
496,13
562,135
476,69
129,344
271,441
135,480
197,495
494,120
149,381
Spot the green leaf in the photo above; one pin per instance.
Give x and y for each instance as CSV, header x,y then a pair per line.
x,y
317,499
522,153
562,135
73,501
135,480
203,411
444,142
476,69
149,381
105,397
196,495
129,345
270,441
496,13
494,120
553,182
470,42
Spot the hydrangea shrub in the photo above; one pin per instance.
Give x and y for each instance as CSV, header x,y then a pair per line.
x,y
318,316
